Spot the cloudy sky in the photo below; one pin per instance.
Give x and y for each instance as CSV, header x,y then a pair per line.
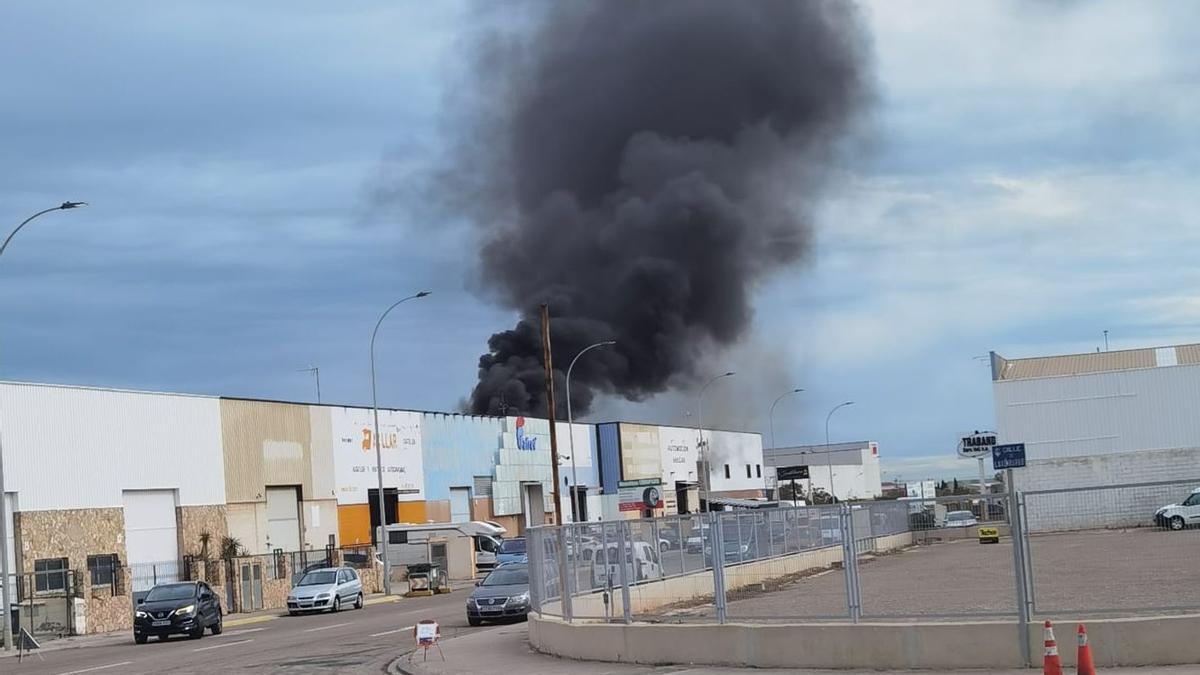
x,y
1027,182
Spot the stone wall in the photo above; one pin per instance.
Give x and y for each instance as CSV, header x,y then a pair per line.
x,y
195,520
109,608
73,534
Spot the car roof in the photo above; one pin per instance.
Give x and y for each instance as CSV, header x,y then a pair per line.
x,y
1196,490
954,512
328,569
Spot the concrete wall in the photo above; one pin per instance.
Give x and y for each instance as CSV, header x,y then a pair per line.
x,y
937,646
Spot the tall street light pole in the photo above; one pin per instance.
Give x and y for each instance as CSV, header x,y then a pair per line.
x,y
771,423
5,570
703,447
383,533
829,455
571,430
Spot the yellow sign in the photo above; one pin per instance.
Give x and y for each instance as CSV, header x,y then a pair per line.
x,y
989,535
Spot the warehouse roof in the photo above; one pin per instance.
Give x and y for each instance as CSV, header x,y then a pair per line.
x,y
1093,362
834,453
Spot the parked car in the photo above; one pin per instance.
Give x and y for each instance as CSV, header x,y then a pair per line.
x,y
512,550
960,519
177,609
502,595
1178,516
641,564
486,548
330,588
694,542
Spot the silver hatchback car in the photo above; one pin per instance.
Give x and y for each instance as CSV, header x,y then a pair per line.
x,y
330,588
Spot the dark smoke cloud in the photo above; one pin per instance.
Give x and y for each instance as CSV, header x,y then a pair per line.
x,y
642,167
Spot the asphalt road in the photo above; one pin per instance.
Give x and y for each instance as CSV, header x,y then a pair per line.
x,y
352,641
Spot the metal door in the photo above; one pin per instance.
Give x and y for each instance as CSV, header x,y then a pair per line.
x,y
252,592
283,518
460,504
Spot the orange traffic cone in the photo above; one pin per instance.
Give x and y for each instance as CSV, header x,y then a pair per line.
x,y
1051,664
1084,665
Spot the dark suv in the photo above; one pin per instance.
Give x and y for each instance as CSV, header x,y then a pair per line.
x,y
177,609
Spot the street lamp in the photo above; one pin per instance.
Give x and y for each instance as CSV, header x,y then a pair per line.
x,y
383,539
571,430
828,455
5,572
771,423
704,459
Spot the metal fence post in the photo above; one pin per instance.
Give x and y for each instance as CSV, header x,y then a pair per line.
x,y
564,581
716,536
536,561
624,554
682,545
1016,524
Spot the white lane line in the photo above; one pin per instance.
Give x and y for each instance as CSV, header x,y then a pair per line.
x,y
224,644
390,632
89,670
336,625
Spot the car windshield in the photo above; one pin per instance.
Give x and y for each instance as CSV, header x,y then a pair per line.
x,y
318,578
171,592
512,546
507,576
958,515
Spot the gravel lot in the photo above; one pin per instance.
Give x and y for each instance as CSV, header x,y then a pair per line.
x,y
1137,571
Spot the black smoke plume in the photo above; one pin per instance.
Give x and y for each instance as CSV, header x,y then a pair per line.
x,y
643,167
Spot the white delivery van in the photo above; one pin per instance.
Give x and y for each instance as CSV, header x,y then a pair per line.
x,y
641,564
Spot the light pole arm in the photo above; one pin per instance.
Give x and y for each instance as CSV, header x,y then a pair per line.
x,y
23,224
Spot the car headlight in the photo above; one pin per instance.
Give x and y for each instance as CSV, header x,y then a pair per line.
x,y
322,596
141,615
184,611
519,599
470,602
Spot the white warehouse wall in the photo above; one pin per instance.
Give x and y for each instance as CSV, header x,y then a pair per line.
x,y
737,449
78,448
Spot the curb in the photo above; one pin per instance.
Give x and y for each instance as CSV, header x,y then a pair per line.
x,y
249,620
380,601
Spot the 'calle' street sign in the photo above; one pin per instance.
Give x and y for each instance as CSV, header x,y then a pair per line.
x,y
1009,456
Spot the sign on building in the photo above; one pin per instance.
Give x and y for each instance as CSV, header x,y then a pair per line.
x,y
791,472
976,445
354,464
638,495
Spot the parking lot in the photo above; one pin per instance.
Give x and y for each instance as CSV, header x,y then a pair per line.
x,y
1142,571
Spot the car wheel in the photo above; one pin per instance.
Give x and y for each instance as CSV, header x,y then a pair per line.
x,y
292,612
217,627
358,602
1176,523
197,634
140,639
474,622
337,605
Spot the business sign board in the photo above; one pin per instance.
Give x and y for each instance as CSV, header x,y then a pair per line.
x,y
641,456
354,465
976,445
636,495
1008,456
791,472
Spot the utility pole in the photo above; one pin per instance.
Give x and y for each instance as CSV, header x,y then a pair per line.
x,y
315,372
548,361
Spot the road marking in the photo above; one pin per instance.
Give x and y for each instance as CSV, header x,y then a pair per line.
x,y
89,670
390,632
226,644
386,598
336,625
243,631
250,620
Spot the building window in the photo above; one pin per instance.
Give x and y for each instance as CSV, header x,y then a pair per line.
x,y
726,471
758,470
50,575
102,568
397,536
748,474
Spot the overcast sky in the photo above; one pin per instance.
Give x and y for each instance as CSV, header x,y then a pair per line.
x,y
1028,181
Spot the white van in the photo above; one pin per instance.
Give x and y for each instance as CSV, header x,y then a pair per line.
x,y
410,543
641,564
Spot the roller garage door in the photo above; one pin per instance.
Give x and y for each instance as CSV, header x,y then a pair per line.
x,y
283,518
151,540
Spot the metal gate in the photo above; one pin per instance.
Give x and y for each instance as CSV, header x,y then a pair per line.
x,y
45,603
252,587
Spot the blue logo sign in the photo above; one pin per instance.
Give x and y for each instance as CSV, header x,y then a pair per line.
x,y
1010,456
524,442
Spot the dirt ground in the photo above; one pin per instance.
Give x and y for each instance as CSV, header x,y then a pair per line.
x,y
1127,572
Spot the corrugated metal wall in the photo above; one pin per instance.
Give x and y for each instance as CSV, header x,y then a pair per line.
x,y
609,437
74,448
456,449
265,444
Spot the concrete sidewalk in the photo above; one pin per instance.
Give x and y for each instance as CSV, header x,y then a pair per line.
x,y
505,650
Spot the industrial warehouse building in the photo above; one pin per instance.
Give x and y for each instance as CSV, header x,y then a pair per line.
x,y
1119,419
848,471
142,481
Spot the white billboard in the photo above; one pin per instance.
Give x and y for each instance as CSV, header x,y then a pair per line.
x,y
354,464
679,455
